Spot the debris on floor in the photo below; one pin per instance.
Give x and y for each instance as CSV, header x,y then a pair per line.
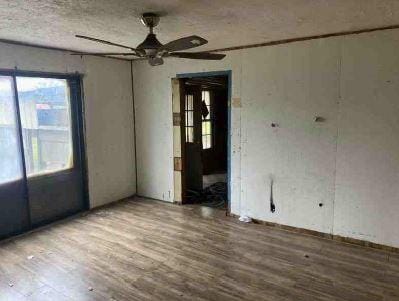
x,y
245,219
214,196
30,257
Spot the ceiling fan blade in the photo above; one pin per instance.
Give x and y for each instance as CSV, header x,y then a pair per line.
x,y
104,53
183,44
156,61
103,42
198,55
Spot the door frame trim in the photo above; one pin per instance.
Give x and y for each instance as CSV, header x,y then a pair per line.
x,y
228,74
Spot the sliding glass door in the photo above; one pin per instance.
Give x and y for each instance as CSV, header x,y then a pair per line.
x,y
40,119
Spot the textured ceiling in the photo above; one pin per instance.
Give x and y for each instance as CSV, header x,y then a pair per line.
x,y
225,23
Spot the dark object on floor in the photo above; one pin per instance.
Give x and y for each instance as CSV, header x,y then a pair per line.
x,y
214,196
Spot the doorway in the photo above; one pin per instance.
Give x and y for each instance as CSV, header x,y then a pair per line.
x,y
204,128
41,150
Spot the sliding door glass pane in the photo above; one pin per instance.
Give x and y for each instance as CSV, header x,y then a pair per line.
x,y
46,124
10,156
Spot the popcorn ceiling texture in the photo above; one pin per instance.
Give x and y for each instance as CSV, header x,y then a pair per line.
x,y
224,23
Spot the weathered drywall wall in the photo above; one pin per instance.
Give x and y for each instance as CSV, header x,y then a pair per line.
x,y
109,129
290,85
367,191
349,163
108,114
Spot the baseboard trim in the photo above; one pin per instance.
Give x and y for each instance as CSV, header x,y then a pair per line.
x,y
349,240
158,200
102,206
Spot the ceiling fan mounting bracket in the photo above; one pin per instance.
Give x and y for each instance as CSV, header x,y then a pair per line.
x,y
149,20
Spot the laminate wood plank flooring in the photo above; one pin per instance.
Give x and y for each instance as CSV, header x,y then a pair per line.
x,y
140,249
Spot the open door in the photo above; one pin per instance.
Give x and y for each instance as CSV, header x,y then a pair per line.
x,y
192,138
200,140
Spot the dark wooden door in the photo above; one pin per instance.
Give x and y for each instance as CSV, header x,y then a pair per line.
x,y
193,142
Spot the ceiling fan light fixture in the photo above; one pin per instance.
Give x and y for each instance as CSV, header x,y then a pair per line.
x,y
155,61
150,52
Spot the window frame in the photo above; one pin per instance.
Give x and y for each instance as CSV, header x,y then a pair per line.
x,y
187,111
75,85
210,119
79,169
72,152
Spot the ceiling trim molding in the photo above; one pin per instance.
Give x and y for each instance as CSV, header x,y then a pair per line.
x,y
264,44
19,43
300,39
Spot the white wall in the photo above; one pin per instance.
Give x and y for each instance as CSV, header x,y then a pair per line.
x,y
367,190
109,129
350,162
108,114
290,85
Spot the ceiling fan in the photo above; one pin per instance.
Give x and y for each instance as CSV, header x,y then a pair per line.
x,y
155,51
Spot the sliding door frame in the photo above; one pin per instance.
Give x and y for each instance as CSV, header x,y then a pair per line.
x,y
75,84
21,149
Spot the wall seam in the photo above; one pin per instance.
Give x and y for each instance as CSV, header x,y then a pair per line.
x,y
241,192
134,127
337,133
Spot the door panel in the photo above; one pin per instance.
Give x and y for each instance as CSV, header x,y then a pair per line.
x,y
49,118
55,196
14,214
193,144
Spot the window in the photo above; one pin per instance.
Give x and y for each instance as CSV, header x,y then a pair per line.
x,y
189,116
10,162
206,120
44,106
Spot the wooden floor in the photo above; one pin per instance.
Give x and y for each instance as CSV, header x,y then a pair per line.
x,y
149,250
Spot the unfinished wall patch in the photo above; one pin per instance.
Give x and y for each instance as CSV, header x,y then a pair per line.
x,y
177,164
236,102
176,119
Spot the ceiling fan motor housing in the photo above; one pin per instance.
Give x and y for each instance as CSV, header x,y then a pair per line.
x,y
150,45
